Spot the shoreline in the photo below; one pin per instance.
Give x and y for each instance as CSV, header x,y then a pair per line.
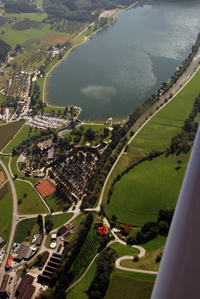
x,y
44,99
149,109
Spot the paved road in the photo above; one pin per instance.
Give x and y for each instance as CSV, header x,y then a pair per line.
x,y
14,218
128,257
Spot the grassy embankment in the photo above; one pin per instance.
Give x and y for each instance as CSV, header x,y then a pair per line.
x,y
30,203
141,192
5,211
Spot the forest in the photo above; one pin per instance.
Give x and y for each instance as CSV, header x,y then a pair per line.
x,y
19,6
80,10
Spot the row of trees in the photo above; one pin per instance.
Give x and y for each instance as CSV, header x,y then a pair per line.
x,y
100,283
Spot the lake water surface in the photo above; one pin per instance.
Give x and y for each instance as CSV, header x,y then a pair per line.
x,y
115,72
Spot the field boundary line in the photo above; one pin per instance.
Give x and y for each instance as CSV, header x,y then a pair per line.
x,y
4,184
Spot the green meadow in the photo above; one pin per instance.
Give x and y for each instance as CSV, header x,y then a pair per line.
x,y
152,185
144,190
59,220
129,288
30,203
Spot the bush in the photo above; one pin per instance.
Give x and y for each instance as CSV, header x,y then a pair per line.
x,y
136,258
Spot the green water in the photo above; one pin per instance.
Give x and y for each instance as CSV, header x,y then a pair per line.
x,y
116,71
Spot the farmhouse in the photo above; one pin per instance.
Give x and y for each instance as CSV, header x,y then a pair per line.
x,y
125,229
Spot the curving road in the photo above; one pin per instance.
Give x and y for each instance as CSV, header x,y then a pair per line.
x,y
128,257
14,218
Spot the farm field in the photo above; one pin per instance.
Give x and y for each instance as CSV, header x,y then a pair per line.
x,y
5,212
23,134
129,288
78,290
87,252
59,220
31,203
23,229
141,193
75,229
8,131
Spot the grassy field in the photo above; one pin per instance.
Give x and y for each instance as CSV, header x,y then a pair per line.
x,y
124,250
146,263
156,134
59,220
145,189
31,203
129,288
8,131
23,134
79,289
6,214
51,202
23,230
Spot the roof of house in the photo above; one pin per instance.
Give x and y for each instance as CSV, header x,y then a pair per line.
x,y
24,284
102,230
53,236
62,230
24,251
44,258
8,263
4,284
51,154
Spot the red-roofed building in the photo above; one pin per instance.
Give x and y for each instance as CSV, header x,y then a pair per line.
x,y
102,230
125,229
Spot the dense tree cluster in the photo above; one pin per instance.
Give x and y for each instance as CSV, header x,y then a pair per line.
x,y
100,283
80,10
4,49
32,142
48,222
151,229
12,6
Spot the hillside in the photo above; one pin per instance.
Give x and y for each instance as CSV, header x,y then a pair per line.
x,y
80,10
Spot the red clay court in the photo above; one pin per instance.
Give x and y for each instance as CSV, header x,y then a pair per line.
x,y
45,188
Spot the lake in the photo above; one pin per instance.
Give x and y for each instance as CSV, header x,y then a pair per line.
x,y
122,65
